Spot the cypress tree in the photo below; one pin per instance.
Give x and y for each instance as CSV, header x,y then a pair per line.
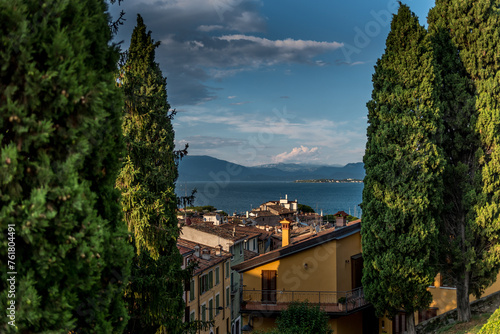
x,y
466,36
60,144
147,183
404,165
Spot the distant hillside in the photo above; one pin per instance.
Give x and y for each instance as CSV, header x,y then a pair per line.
x,y
205,168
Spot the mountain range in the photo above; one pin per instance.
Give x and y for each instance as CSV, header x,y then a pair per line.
x,y
206,168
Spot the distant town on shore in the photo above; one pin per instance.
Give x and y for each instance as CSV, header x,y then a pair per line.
x,y
330,181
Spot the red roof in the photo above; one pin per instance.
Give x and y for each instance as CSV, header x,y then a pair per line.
x,y
341,213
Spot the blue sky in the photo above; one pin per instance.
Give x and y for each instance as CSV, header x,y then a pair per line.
x,y
258,82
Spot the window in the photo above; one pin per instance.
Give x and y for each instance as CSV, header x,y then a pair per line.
x,y
203,312
227,297
206,282
217,303
211,309
217,278
192,316
241,249
191,290
446,280
231,250
227,269
254,244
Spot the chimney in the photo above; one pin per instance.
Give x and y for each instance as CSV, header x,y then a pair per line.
x,y
341,219
197,251
234,231
285,233
205,253
218,250
247,214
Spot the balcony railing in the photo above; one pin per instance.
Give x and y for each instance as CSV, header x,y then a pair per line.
x,y
234,288
332,302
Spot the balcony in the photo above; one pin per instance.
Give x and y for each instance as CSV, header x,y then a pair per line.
x,y
332,302
234,289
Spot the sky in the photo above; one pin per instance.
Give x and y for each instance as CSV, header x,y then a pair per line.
x,y
262,82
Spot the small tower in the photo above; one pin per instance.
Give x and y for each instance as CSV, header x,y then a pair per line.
x,y
285,232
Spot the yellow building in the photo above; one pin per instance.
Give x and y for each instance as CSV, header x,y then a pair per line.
x,y
444,299
323,268
208,295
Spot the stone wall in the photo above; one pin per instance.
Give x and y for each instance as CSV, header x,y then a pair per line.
x,y
486,304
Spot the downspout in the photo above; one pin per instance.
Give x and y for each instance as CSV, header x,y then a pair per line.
x,y
199,307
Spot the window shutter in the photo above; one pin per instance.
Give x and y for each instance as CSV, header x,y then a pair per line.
x,y
210,309
191,291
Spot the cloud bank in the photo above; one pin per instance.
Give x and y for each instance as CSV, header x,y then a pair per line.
x,y
300,154
212,39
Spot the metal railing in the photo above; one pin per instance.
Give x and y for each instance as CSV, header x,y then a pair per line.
x,y
278,300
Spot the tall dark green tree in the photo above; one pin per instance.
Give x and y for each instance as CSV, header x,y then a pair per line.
x,y
404,166
466,38
60,144
147,183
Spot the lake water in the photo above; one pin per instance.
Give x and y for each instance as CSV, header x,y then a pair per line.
x,y
242,196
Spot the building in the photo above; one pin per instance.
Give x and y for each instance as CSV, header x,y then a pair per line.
x,y
444,298
324,269
208,295
214,218
236,240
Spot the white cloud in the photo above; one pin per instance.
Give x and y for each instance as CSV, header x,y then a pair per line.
x,y
286,44
240,103
297,154
311,132
231,97
212,27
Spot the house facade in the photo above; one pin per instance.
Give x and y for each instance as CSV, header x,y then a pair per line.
x,y
325,269
233,240
208,295
444,299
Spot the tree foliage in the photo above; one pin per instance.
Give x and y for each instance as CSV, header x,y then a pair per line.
x,y
493,324
305,208
147,182
60,143
404,165
466,38
304,318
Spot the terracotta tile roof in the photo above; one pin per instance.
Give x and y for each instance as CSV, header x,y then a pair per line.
x,y
216,256
295,247
184,250
220,230
250,231
281,210
263,213
354,222
341,213
303,237
247,254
